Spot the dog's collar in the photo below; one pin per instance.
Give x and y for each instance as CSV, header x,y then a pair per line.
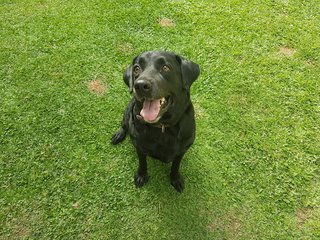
x,y
157,125
162,126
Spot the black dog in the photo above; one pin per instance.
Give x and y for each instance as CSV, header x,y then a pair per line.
x,y
160,116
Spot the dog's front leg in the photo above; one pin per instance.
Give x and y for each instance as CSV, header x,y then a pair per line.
x,y
175,177
120,135
141,176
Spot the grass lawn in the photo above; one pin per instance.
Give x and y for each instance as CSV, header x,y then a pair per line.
x,y
253,172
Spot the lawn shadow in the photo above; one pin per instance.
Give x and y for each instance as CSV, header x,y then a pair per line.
x,y
202,211
184,215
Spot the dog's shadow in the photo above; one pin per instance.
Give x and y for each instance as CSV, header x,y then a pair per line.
x,y
182,215
192,214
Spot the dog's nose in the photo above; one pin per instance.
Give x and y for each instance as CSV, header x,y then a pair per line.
x,y
142,86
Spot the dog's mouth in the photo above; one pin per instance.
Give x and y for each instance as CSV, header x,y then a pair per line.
x,y
153,109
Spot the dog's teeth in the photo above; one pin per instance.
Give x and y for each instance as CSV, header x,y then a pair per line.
x,y
162,101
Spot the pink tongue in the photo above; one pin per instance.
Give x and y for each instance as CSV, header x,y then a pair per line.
x,y
150,110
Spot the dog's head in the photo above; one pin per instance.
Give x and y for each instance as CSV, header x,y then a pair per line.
x,y
160,83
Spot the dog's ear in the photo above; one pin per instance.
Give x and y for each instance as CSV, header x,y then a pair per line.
x,y
189,70
128,78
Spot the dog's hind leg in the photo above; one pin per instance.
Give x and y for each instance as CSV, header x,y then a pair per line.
x,y
120,135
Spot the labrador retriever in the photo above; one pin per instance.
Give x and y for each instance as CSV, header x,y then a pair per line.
x,y
160,116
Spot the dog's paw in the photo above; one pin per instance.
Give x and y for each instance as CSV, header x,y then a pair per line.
x,y
140,180
177,183
118,137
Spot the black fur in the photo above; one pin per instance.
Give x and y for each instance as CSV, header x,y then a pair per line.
x,y
153,75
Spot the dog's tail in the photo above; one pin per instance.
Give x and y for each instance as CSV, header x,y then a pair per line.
x,y
121,134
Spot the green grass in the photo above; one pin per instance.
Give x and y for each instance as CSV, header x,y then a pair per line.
x,y
253,172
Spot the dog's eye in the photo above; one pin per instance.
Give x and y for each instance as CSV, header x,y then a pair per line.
x,y
165,68
137,70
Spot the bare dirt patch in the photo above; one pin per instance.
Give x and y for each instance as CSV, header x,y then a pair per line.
x,y
311,63
228,222
199,110
166,22
42,6
96,86
75,205
21,226
126,48
21,232
303,216
239,100
287,51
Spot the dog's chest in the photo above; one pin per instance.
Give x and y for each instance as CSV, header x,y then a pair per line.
x,y
157,142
